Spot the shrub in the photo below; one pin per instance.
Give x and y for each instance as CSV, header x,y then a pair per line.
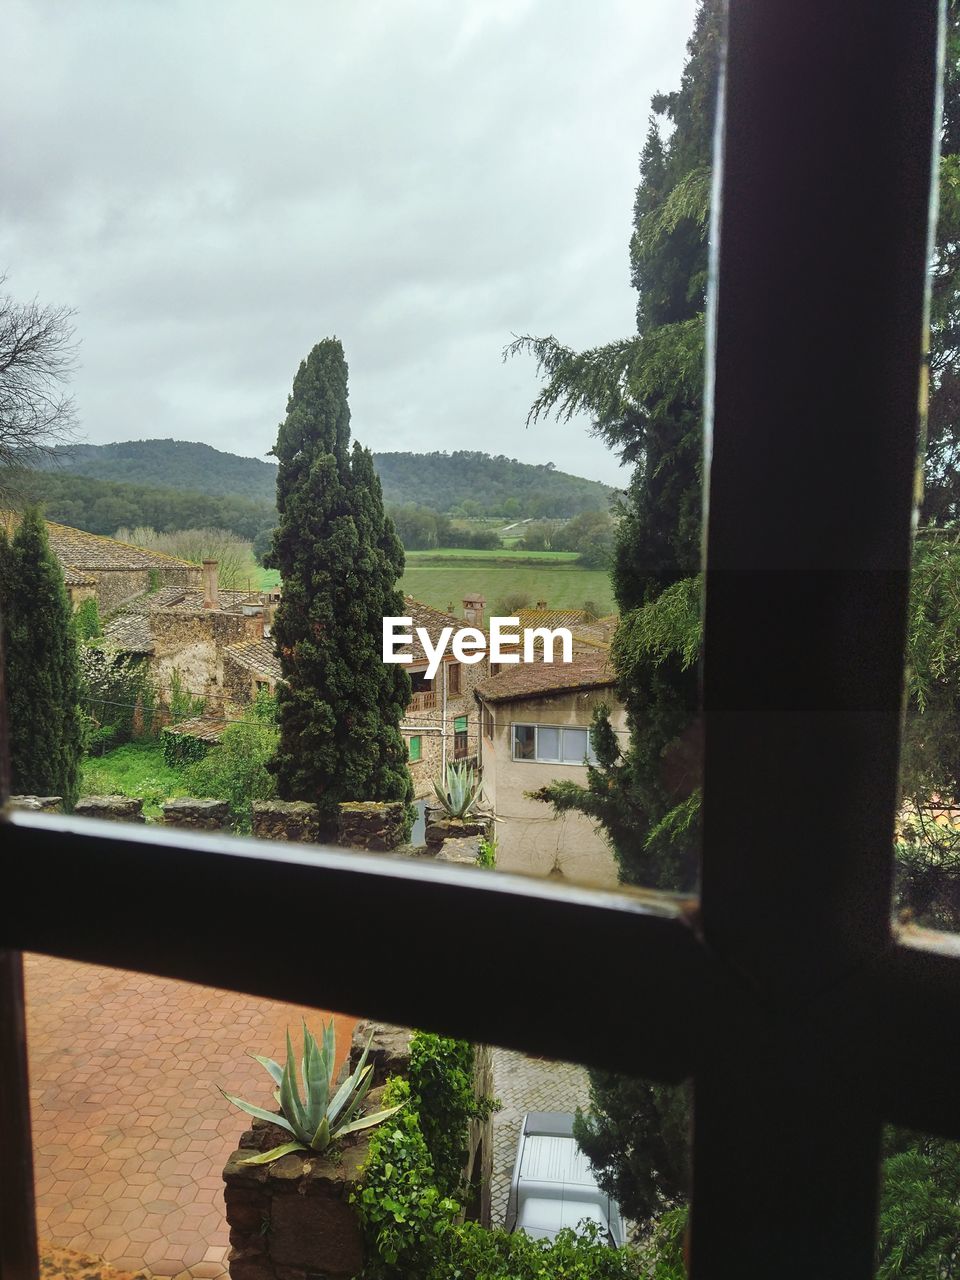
x,y
118,696
181,749
236,771
441,1085
86,621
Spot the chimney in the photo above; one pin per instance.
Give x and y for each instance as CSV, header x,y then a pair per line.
x,y
211,596
541,604
473,610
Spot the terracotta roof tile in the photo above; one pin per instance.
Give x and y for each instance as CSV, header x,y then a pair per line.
x,y
257,656
205,728
433,622
589,670
129,632
553,617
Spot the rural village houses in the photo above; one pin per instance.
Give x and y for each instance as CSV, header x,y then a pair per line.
x,y
522,724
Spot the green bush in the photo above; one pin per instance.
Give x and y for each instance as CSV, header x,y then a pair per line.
x,y
236,771
181,749
86,621
403,1213
441,1087
409,1217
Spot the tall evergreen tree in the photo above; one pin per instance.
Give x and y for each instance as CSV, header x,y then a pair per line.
x,y
43,683
340,705
645,396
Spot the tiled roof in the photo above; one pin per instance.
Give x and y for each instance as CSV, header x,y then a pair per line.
x,y
205,728
553,617
597,634
186,600
74,578
257,656
129,632
588,670
83,550
433,622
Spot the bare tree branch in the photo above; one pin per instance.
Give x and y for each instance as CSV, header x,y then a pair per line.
x,y
37,359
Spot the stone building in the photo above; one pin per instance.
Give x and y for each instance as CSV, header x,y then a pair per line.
x,y
441,724
211,642
109,571
534,729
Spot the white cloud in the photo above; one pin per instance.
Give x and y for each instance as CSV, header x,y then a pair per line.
x,y
217,187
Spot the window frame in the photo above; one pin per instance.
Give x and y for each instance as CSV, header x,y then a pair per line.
x,y
537,758
804,1019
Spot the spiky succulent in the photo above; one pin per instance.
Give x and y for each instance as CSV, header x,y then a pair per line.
x,y
460,795
328,1110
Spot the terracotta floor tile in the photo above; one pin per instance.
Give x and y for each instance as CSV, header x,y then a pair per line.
x,y
121,1063
208,1270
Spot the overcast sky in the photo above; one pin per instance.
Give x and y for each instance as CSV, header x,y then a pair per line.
x,y
216,185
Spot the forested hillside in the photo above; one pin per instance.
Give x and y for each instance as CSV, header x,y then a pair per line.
x,y
100,506
476,484
462,483
170,464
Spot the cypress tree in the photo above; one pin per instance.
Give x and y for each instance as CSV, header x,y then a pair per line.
x,y
43,682
340,705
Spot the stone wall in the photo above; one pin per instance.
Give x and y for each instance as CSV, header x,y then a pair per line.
x,y
37,804
115,586
192,644
292,1219
196,815
111,808
294,820
440,828
374,825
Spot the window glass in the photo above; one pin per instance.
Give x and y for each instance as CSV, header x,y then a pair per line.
x,y
548,743
524,742
927,836
574,746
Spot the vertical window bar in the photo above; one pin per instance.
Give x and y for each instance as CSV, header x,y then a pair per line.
x,y
18,1220
818,295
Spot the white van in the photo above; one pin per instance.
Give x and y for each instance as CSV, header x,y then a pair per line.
x,y
553,1185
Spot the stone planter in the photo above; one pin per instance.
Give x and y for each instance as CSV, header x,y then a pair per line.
x,y
292,1219
439,827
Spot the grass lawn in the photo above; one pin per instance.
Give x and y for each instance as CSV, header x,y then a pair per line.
x,y
135,769
269,578
563,586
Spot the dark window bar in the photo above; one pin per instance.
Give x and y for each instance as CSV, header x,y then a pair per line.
x,y
803,1019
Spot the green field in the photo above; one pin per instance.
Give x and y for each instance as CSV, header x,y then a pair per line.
x,y
562,585
443,577
441,555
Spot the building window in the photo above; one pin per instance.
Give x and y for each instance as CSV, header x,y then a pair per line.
x,y
453,678
494,668
488,723
419,682
550,744
263,686
415,749
459,737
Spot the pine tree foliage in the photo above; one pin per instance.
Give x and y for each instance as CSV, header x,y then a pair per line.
x,y
42,675
644,394
340,706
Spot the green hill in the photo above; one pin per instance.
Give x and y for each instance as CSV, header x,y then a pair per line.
x,y
464,482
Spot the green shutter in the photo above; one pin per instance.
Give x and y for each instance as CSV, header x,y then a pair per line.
x,y
415,748
460,724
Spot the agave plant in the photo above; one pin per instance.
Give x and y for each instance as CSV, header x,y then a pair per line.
x,y
461,795
328,1110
